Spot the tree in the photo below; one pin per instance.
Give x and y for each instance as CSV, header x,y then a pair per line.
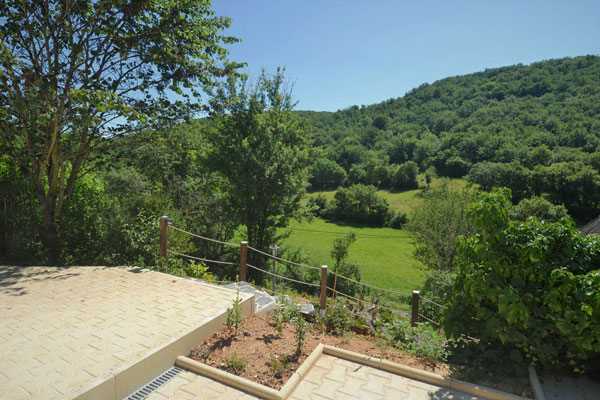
x,y
326,174
262,149
437,223
74,73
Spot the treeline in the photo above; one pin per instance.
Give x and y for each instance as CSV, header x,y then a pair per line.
x,y
524,117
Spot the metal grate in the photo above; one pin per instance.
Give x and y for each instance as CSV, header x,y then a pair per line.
x,y
157,382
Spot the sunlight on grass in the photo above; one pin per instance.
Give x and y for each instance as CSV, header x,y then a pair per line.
x,y
383,254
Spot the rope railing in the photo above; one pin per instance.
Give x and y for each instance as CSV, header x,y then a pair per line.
x,y
167,222
429,320
365,301
432,302
203,237
283,277
373,287
201,259
282,260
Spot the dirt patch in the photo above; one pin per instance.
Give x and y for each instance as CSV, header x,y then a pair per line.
x,y
269,357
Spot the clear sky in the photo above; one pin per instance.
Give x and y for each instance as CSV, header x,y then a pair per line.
x,y
344,52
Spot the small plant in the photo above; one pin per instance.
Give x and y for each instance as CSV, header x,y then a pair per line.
x,y
337,319
278,365
285,311
300,333
235,364
234,314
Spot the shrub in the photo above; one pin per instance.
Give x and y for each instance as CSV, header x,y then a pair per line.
x,y
530,288
359,204
438,287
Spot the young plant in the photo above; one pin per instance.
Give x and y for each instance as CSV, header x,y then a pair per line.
x,y
235,364
278,365
300,332
234,314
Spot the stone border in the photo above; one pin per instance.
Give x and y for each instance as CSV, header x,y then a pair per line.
x,y
538,393
385,365
126,379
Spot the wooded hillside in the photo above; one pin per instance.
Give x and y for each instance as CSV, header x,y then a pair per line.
x,y
535,129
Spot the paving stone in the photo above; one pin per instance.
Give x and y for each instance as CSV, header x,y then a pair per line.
x,y
66,321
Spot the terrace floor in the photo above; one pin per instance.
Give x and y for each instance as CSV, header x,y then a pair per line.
x,y
65,330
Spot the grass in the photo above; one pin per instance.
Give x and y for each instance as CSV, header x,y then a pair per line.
x,y
407,200
385,255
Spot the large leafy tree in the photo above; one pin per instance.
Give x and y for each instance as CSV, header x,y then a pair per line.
x,y
262,149
74,73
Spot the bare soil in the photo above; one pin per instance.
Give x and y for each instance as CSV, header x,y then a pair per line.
x,y
265,351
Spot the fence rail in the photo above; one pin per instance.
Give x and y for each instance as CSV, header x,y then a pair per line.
x,y
167,223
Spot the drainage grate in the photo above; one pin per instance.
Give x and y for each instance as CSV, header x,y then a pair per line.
x,y
157,382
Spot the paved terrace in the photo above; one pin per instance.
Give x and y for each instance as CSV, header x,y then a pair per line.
x,y
65,330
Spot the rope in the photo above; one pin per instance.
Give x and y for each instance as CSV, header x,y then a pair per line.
x,y
433,302
430,320
205,238
201,259
364,301
373,287
283,277
281,259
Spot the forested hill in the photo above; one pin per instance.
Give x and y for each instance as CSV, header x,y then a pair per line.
x,y
533,128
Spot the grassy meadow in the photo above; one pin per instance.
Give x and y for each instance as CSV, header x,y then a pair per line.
x,y
385,255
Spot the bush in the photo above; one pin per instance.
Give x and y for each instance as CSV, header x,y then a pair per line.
x,y
317,205
530,288
538,207
439,287
359,204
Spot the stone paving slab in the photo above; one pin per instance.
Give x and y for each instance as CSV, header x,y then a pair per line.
x,y
189,385
64,328
335,378
557,387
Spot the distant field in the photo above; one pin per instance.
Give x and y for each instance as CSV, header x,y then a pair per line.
x,y
384,254
403,201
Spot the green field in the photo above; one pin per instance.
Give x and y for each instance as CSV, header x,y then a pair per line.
x,y
403,201
384,254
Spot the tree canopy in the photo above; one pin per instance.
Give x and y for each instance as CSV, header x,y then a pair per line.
x,y
75,73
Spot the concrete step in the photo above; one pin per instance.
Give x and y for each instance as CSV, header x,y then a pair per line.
x,y
263,302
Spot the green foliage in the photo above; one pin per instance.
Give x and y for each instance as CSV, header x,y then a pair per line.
x,y
422,340
234,363
55,121
179,267
278,365
326,174
233,315
285,311
339,253
262,151
438,287
530,288
521,116
436,225
337,319
537,207
362,205
300,331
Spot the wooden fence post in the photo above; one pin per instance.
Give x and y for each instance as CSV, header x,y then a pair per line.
x,y
164,235
323,290
415,307
243,259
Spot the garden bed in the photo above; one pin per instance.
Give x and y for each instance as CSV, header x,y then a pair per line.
x,y
261,353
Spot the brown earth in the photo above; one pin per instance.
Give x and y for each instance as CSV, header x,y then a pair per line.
x,y
265,351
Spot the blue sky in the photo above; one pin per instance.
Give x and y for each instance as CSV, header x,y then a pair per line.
x,y
340,53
